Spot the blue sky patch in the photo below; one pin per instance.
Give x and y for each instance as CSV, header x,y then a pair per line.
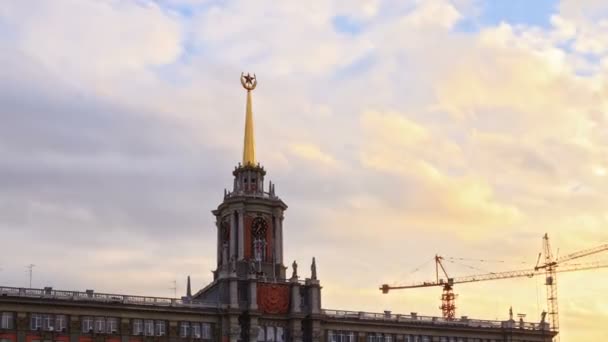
x,y
345,24
530,12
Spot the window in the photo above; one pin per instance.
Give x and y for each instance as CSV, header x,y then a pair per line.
x,y
112,325
261,334
341,336
138,327
184,329
195,329
160,328
270,334
207,331
280,334
5,340
47,323
100,324
149,327
35,321
87,324
7,321
60,322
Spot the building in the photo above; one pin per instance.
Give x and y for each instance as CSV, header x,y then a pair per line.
x,y
252,297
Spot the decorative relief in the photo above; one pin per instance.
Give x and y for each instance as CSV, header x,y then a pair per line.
x,y
235,331
23,323
273,298
297,334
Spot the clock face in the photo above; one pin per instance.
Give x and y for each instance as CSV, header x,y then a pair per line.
x,y
259,227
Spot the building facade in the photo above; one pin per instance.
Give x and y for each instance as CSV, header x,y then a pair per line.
x,y
252,298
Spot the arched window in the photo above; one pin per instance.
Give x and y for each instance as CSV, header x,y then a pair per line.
x,y
259,228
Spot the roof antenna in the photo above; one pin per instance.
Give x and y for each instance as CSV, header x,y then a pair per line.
x,y
30,268
174,288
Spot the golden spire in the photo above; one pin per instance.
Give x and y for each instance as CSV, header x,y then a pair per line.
x,y
249,82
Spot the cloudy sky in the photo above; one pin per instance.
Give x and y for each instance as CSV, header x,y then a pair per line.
x,y
394,130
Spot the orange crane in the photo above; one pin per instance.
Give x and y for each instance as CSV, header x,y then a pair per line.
x,y
550,268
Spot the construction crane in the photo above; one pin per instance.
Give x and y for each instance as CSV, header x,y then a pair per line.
x,y
550,268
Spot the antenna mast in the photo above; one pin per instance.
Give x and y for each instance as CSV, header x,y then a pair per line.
x,y
30,268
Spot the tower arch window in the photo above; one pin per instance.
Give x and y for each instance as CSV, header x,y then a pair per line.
x,y
259,227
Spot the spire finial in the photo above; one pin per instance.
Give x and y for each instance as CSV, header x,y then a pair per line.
x,y
188,289
249,82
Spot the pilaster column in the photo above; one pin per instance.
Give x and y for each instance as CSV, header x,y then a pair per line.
x,y
253,329
279,239
124,330
234,294
22,325
234,329
173,331
253,292
233,236
219,242
315,296
241,234
75,327
295,296
295,329
317,334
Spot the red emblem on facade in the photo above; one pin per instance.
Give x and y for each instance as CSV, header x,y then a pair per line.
x,y
273,298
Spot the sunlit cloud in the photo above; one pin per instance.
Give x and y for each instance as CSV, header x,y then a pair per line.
x,y
397,128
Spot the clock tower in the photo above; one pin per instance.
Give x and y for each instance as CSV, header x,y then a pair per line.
x,y
250,283
250,219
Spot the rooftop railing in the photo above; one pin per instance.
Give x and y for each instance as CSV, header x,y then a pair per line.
x,y
91,296
416,319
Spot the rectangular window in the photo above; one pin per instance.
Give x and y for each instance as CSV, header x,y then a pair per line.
x,y
100,324
196,330
184,329
280,334
112,325
47,322
35,321
270,334
60,323
160,328
206,331
138,327
87,324
7,321
261,334
149,327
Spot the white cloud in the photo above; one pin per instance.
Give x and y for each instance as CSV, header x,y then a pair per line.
x,y
98,39
466,143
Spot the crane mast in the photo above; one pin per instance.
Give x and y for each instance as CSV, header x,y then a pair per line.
x,y
551,283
